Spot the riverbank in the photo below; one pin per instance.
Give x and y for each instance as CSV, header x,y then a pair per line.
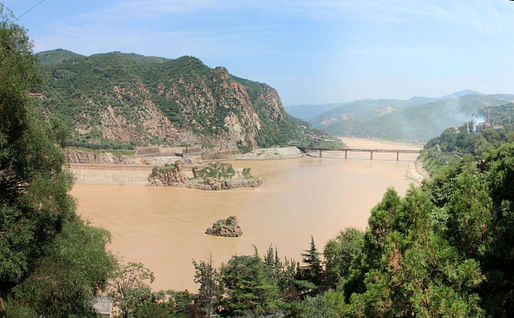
x,y
105,170
415,171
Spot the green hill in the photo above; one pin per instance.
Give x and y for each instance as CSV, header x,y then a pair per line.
x,y
117,99
55,57
416,119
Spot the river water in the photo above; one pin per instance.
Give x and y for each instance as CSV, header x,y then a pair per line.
x,y
163,227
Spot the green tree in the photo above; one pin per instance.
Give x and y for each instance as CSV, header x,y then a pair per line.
x,y
283,271
498,292
43,259
339,254
74,268
310,275
249,287
210,289
130,288
316,307
409,269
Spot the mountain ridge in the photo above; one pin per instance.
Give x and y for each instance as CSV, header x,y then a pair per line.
x,y
416,119
127,98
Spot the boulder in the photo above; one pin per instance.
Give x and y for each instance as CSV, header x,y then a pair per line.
x,y
227,228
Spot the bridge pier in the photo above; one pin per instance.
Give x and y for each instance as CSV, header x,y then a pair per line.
x,y
397,155
371,155
320,153
346,154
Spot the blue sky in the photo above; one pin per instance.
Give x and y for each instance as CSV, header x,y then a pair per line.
x,y
310,51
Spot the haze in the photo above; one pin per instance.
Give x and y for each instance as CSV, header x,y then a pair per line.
x,y
310,51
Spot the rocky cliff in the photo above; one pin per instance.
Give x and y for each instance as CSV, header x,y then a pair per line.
x,y
128,99
77,156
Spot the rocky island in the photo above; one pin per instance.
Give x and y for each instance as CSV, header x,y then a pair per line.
x,y
214,176
227,228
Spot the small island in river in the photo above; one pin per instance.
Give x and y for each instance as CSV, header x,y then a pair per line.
x,y
227,228
214,176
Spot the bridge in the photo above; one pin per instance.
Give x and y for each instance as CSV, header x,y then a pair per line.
x,y
371,151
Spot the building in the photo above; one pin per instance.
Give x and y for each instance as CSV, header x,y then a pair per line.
x,y
102,306
487,124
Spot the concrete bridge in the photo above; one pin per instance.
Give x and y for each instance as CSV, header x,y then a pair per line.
x,y
371,151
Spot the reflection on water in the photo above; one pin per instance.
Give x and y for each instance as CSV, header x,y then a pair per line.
x,y
163,227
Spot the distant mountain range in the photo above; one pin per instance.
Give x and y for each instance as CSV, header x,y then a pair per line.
x,y
415,119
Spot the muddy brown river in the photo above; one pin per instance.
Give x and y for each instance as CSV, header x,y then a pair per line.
x,y
163,227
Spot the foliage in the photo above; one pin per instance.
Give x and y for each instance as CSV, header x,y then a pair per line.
x,y
51,263
282,271
310,276
316,307
130,289
246,173
249,287
162,170
454,144
341,253
74,265
411,270
210,289
217,171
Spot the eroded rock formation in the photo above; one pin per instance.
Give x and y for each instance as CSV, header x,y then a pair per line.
x,y
228,227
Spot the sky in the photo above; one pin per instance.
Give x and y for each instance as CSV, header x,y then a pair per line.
x,y
312,52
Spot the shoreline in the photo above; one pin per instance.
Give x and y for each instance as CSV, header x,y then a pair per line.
x,y
129,174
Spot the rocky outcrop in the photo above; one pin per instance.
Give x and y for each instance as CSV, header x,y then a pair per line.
x,y
226,228
76,156
168,176
215,176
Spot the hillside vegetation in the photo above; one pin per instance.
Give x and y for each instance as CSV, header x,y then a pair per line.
x,y
455,143
119,100
417,119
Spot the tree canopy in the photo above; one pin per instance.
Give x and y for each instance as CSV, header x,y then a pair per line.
x,y
51,262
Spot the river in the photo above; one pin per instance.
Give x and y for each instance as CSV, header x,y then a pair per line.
x,y
163,227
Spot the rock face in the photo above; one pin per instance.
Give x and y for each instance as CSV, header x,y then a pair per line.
x,y
133,99
226,228
168,176
103,158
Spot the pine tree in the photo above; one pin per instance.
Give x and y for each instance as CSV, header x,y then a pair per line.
x,y
210,289
310,275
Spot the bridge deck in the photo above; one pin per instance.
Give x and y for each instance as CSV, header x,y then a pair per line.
x,y
366,150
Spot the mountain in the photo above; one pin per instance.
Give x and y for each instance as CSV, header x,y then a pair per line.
x,y
309,111
462,93
129,99
416,119
55,57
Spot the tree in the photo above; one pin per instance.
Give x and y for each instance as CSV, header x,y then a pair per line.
x,y
498,292
310,275
42,258
130,288
340,254
210,287
413,271
316,307
66,278
283,272
249,287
